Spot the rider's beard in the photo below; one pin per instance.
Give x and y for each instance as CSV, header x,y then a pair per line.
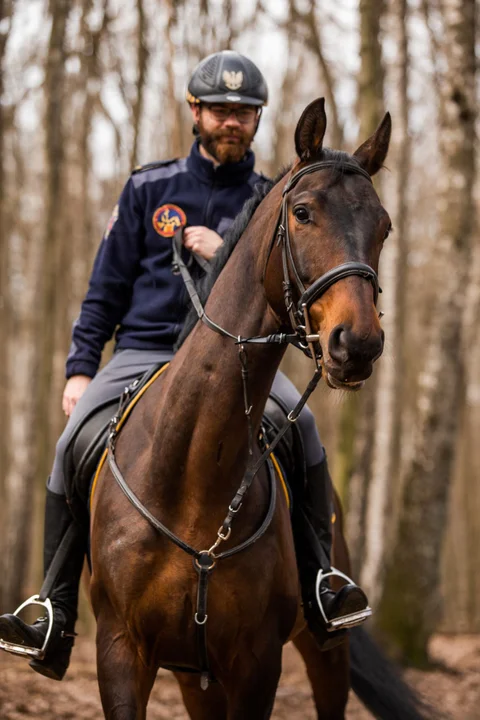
x,y
225,145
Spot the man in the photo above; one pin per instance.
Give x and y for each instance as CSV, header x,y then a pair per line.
x,y
132,288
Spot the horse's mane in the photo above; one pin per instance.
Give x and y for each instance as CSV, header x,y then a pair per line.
x,y
236,230
232,236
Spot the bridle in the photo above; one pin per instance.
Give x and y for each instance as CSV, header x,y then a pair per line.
x,y
299,315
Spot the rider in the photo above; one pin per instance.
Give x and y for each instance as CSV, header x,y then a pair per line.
x,y
132,288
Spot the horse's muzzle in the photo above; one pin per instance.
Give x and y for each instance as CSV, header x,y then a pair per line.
x,y
351,356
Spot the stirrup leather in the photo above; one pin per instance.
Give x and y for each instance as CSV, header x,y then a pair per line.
x,y
346,621
32,652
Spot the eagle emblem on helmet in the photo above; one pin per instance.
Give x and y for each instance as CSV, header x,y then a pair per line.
x,y
233,80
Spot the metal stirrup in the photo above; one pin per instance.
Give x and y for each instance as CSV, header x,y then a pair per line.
x,y
345,621
32,652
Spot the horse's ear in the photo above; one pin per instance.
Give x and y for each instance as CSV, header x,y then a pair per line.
x,y
373,152
311,129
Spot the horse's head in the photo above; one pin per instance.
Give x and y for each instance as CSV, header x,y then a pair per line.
x,y
331,234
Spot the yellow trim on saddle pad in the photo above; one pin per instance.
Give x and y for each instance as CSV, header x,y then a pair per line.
x,y
281,478
120,423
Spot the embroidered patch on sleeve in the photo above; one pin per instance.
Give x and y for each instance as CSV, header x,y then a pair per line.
x,y
167,219
111,222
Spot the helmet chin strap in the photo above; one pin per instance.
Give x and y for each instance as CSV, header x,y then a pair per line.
x,y
259,117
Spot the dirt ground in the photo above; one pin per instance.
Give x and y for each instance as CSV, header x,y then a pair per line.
x,y
454,689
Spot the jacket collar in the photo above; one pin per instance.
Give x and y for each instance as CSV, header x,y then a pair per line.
x,y
227,174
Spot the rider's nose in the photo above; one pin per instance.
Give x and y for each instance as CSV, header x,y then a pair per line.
x,y
232,121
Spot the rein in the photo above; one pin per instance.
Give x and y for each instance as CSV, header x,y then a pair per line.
x,y
205,560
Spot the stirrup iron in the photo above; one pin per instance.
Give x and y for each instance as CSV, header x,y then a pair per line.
x,y
31,652
346,621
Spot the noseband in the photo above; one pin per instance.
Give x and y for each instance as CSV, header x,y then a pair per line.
x,y
298,315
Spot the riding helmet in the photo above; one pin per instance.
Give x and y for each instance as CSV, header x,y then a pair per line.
x,y
227,77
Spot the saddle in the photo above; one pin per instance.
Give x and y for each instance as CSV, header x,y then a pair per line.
x,y
88,444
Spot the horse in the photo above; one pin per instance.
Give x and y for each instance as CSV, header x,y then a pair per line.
x,y
316,236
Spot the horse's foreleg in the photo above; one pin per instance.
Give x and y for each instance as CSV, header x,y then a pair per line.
x,y
252,683
329,675
210,704
125,681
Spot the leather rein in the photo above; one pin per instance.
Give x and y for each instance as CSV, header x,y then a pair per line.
x,y
205,560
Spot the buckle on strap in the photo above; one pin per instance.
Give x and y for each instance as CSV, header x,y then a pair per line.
x,y
36,653
346,621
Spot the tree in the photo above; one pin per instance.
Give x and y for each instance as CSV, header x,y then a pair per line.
x,y
355,450
408,618
6,13
389,379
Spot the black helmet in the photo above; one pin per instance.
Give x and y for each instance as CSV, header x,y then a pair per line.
x,y
227,77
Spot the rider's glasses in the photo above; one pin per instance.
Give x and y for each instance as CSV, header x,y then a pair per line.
x,y
221,113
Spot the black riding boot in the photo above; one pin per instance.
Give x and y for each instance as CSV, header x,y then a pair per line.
x,y
64,596
328,613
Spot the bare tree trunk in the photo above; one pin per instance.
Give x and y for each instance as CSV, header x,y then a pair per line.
x,y
357,417
50,275
53,272
175,120
91,79
389,386
408,620
49,272
12,541
308,21
354,458
371,76
142,61
6,13
283,145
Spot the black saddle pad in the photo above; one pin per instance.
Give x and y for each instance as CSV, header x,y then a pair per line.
x,y
87,445
289,452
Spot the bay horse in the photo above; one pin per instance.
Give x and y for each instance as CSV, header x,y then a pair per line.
x,y
185,449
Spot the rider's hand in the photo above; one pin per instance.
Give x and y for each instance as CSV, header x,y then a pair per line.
x,y
202,241
74,389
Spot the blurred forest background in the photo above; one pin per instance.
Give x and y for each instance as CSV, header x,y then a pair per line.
x,y
91,88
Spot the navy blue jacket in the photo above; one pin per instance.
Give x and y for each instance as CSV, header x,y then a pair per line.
x,y
132,287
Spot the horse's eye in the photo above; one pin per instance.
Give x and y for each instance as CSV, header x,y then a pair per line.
x,y
301,214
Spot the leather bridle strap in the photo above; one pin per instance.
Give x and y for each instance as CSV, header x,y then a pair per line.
x,y
321,285
298,313
179,267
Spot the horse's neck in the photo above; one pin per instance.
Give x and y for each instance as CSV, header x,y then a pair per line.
x,y
206,380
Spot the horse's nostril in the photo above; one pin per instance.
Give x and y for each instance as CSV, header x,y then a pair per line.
x,y
347,346
338,344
